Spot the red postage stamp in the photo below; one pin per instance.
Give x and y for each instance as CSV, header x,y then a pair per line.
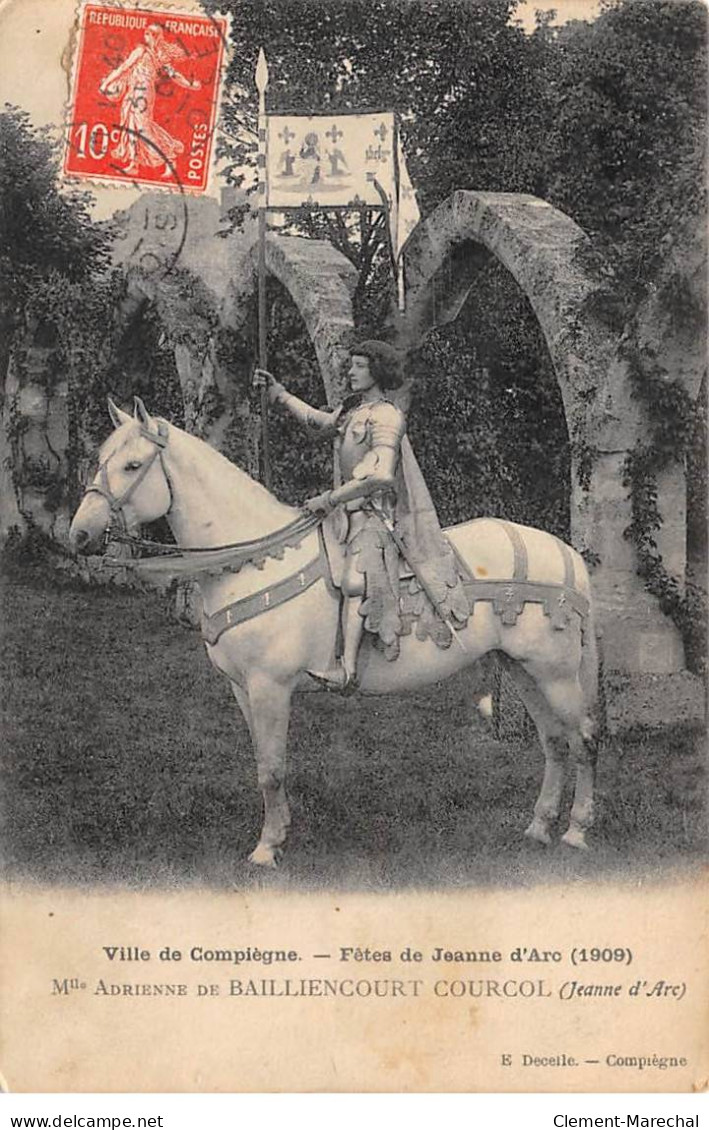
x,y
145,96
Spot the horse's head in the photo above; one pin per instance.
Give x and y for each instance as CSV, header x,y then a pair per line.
x,y
131,483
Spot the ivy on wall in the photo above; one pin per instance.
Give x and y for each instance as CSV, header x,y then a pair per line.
x,y
673,424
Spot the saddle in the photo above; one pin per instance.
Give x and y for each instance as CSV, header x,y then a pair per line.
x,y
392,609
507,595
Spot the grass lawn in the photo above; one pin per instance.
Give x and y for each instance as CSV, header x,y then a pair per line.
x,y
126,761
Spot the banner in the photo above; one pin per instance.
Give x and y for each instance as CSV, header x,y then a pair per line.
x,y
402,222
407,212
331,161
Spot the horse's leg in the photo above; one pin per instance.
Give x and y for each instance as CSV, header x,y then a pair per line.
x,y
243,700
242,697
585,748
566,700
269,713
554,747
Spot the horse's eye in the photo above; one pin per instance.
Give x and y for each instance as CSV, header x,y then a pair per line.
x,y
134,465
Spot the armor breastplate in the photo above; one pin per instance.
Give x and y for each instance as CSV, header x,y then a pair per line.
x,y
363,433
361,430
355,440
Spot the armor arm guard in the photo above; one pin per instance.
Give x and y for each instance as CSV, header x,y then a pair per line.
x,y
304,413
377,470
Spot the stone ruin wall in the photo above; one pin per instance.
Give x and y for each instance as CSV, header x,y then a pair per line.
x,y
534,241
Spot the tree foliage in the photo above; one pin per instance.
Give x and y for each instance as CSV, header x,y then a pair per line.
x,y
45,235
625,152
55,298
42,229
456,74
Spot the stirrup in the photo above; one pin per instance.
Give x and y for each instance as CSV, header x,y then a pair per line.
x,y
336,680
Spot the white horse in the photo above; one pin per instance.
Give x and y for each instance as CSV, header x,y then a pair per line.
x,y
277,617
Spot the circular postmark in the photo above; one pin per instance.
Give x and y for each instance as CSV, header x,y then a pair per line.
x,y
152,233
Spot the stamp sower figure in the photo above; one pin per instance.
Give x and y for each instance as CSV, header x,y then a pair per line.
x,y
379,486
143,141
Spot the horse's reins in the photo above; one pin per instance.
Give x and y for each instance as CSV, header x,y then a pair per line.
x,y
239,552
303,524
233,556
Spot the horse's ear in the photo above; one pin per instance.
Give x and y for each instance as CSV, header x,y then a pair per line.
x,y
118,416
140,412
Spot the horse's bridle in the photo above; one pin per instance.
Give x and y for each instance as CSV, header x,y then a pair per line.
x,y
116,504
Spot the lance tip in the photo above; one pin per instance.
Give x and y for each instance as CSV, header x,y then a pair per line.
x,y
261,71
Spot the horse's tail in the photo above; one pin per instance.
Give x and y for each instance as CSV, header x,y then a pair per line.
x,y
591,675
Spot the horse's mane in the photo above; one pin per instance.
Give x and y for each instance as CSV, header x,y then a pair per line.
x,y
215,458
204,452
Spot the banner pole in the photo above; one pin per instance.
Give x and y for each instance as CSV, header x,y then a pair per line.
x,y
262,346
262,83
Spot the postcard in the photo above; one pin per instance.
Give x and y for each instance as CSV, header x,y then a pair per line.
x,y
354,547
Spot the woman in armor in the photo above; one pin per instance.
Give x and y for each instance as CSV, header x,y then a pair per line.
x,y
381,505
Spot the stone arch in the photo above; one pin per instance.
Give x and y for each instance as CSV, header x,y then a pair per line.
x,y
543,250
159,233
541,247
321,282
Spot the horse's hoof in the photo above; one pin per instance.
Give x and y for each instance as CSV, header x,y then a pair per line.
x,y
575,838
538,832
263,856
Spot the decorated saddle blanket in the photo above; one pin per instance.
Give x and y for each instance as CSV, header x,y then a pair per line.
x,y
426,589
439,595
